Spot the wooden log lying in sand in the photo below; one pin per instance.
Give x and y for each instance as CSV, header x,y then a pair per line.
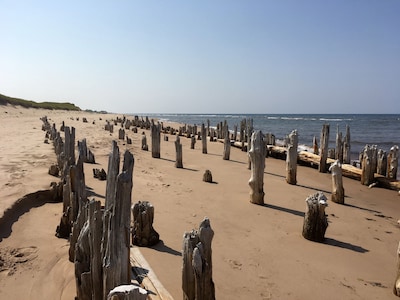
x,y
197,282
315,220
291,158
257,157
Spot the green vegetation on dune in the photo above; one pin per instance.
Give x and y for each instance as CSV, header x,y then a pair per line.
x,y
4,100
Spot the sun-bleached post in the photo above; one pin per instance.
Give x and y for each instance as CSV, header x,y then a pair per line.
x,y
178,148
347,146
339,146
315,220
197,282
155,139
322,168
315,145
382,163
396,287
393,161
203,139
337,182
257,157
368,165
291,158
227,144
249,132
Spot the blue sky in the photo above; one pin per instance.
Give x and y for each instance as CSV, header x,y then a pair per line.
x,y
204,56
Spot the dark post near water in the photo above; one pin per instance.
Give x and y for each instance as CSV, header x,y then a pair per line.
x,y
227,144
178,149
203,139
324,148
291,158
393,162
347,146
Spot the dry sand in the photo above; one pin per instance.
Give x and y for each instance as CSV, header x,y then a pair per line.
x,y
258,251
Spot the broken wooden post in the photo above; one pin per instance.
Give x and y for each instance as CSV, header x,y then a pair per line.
x,y
315,145
127,292
192,141
117,219
396,287
382,163
207,176
257,157
337,182
393,162
145,147
346,146
203,139
339,146
315,220
322,168
143,233
291,158
155,139
249,132
368,165
178,148
227,144
121,134
197,282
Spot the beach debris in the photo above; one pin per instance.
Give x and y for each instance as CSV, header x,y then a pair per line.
x,y
155,139
257,158
127,292
207,176
203,139
143,233
227,144
178,148
134,129
99,174
322,168
84,120
369,164
393,162
197,282
291,158
337,182
128,140
315,219
54,170
145,147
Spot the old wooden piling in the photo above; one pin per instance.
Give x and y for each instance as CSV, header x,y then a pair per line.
x,y
315,220
291,158
227,144
337,182
155,139
322,167
257,157
203,139
143,232
178,150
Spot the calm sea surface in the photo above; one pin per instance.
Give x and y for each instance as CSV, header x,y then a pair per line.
x,y
382,130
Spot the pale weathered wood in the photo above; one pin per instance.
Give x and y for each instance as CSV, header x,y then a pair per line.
x,y
339,146
322,167
143,233
337,182
396,286
393,162
315,220
203,139
227,144
127,292
155,139
197,282
257,157
382,163
291,158
178,149
249,132
369,164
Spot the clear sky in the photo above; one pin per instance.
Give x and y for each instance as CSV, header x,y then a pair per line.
x,y
217,56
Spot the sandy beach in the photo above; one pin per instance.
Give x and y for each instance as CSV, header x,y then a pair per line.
x,y
258,251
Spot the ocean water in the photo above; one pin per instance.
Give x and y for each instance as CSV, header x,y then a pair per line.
x,y
382,130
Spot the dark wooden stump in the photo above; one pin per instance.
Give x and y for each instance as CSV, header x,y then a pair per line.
x,y
143,233
291,158
315,220
207,176
322,168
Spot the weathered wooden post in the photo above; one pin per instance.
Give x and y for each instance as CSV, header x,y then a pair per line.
x,y
192,141
203,139
178,148
143,233
291,158
322,168
249,132
337,182
145,147
227,144
368,165
207,176
396,287
117,219
382,163
315,220
315,145
155,139
393,162
127,292
257,157
197,282
235,130
339,146
347,146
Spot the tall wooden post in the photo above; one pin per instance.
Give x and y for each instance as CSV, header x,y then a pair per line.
x,y
315,220
347,146
382,163
315,145
203,139
155,139
368,165
257,157
227,144
291,158
393,162
178,148
249,132
339,146
396,287
337,182
324,148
